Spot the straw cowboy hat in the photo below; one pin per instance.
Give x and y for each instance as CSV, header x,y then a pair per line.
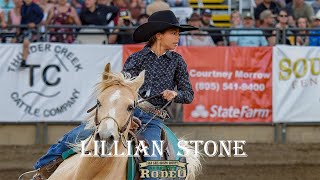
x,y
158,22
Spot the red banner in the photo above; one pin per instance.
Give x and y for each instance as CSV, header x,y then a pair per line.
x,y
231,84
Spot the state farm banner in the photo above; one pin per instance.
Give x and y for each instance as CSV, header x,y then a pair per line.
x,y
296,85
231,84
58,84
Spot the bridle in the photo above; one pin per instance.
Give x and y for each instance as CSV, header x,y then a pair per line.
x,y
120,130
124,128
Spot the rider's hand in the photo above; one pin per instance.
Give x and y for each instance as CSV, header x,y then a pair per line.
x,y
169,95
135,123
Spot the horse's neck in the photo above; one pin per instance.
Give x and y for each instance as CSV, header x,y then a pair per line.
x,y
103,168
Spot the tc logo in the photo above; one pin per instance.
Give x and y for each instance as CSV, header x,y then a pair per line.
x,y
51,67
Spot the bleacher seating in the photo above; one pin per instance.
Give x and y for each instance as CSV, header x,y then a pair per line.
x,y
220,15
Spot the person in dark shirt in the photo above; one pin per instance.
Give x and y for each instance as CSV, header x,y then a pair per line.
x,y
93,14
31,15
165,71
266,4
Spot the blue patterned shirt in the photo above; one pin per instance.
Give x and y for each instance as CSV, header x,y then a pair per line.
x,y
166,72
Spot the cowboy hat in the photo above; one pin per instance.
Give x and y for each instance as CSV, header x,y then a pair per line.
x,y
158,22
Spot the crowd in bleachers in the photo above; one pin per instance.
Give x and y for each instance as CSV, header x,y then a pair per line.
x,y
278,14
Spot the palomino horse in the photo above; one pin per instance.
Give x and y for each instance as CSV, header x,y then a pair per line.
x,y
116,97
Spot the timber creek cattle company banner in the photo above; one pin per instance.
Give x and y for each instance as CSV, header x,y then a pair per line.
x,y
59,83
296,84
231,84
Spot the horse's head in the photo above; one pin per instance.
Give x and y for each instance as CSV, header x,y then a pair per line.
x,y
116,99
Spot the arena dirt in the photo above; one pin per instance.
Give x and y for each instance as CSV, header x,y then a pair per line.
x,y
264,162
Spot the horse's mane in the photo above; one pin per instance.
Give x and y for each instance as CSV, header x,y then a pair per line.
x,y
109,79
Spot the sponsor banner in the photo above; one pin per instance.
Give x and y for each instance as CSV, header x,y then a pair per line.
x,y
296,84
231,84
58,85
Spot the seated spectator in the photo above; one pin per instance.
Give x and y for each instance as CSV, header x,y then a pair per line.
x,y
206,19
157,5
235,19
14,17
122,36
248,22
94,14
283,25
135,10
316,6
267,20
314,40
31,15
178,3
299,8
143,18
302,38
63,14
197,37
266,4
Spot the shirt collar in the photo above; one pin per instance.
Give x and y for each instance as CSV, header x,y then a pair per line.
x,y
146,50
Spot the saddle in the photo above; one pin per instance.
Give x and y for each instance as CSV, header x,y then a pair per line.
x,y
170,151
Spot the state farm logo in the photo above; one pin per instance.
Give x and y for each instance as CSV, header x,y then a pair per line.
x,y
219,111
45,87
200,112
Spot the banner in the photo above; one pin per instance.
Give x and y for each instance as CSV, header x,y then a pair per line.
x,y
231,84
296,84
58,84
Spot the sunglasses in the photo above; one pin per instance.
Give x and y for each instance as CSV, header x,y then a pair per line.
x,y
283,15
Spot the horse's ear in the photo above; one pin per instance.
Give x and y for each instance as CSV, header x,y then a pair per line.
x,y
107,70
138,81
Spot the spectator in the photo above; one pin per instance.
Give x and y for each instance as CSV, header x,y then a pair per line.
x,y
316,6
197,37
14,17
63,14
235,19
178,3
206,19
267,20
157,5
266,4
283,25
314,40
94,14
123,36
248,22
143,18
31,15
302,38
299,8
135,11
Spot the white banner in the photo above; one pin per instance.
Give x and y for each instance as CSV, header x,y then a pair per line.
x,y
59,83
296,84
